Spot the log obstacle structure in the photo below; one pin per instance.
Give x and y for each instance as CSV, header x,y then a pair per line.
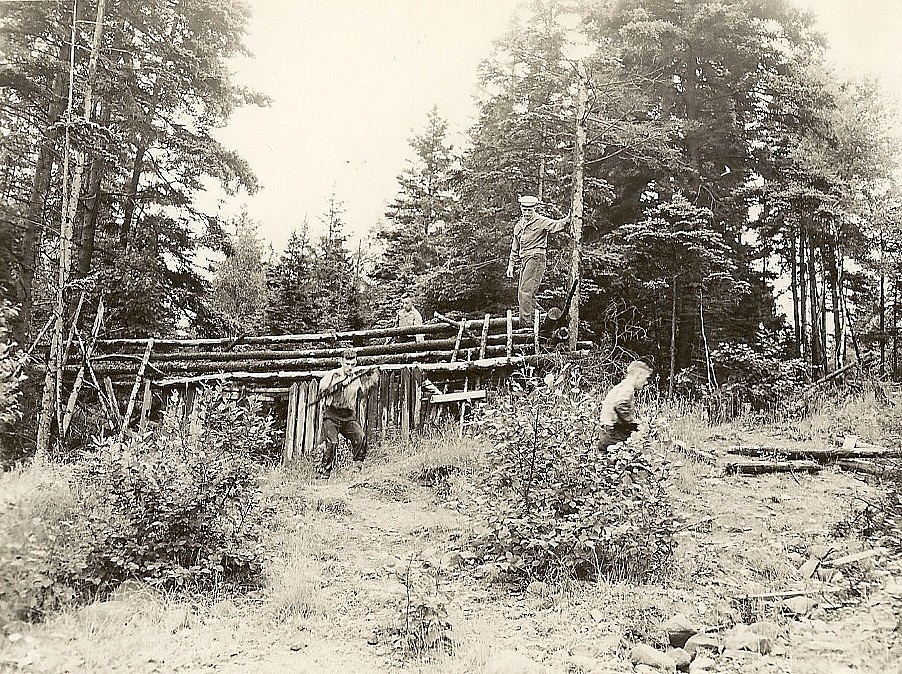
x,y
422,369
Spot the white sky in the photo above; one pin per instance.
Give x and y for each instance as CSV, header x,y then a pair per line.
x,y
353,80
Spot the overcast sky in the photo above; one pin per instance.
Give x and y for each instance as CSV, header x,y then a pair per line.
x,y
353,80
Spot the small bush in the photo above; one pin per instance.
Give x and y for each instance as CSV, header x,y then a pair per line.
x,y
753,379
423,626
178,509
39,541
551,505
184,508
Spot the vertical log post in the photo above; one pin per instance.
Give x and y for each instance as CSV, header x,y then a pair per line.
x,y
576,210
290,424
131,399
510,333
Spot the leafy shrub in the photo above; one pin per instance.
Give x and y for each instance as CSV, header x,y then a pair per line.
x,y
551,505
179,508
753,377
423,624
11,366
183,509
39,541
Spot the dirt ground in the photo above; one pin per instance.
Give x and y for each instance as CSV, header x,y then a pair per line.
x,y
349,548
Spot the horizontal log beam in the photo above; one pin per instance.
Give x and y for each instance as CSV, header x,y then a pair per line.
x,y
163,368
352,336
294,375
333,353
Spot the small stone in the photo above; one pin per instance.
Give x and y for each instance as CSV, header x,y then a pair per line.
x,y
679,628
297,646
597,615
511,662
582,665
643,654
701,664
372,638
697,641
798,606
743,638
680,657
766,628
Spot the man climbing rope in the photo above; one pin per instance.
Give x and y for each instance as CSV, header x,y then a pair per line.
x,y
339,391
528,247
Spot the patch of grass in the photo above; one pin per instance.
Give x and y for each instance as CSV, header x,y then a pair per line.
x,y
294,587
36,509
869,414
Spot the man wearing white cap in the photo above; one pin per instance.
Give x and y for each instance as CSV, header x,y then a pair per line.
x,y
528,247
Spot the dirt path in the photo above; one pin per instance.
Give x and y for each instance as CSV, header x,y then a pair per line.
x,y
346,547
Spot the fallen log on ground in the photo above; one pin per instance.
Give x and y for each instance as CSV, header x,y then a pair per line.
x,y
762,467
693,453
817,453
868,467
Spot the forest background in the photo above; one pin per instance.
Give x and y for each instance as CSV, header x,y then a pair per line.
x,y
726,163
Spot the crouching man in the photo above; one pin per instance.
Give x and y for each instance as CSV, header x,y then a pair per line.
x,y
339,390
618,411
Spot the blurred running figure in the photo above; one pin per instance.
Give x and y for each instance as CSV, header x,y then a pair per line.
x,y
618,411
528,248
339,390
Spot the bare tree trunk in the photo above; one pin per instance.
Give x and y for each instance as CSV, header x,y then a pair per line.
x,y
92,202
882,318
56,353
803,295
794,286
34,218
673,334
816,348
576,211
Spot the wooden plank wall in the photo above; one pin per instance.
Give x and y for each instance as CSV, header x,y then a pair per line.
x,y
392,408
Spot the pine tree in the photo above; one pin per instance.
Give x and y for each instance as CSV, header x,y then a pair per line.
x,y
423,207
239,290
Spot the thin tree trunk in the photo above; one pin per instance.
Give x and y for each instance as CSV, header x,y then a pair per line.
x,y
803,298
92,203
816,334
34,217
673,334
576,211
70,205
882,309
709,366
794,286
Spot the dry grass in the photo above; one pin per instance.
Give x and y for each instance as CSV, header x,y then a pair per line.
x,y
870,415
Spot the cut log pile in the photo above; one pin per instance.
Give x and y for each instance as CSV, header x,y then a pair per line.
x,y
442,341
850,454
422,368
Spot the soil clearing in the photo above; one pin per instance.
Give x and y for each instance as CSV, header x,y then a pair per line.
x,y
349,548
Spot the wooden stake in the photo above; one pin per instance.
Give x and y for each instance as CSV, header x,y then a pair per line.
x,y
146,403
111,394
86,352
485,334
510,333
131,399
